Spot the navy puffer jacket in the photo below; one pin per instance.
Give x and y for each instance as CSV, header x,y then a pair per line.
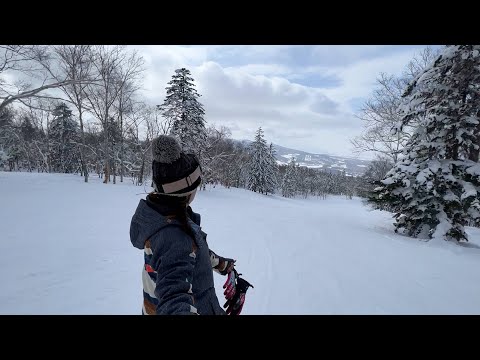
x,y
177,275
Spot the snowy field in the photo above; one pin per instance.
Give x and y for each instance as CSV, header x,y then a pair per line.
x,y
65,249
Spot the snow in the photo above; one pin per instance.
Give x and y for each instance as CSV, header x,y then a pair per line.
x,y
474,170
65,249
388,181
443,227
468,190
423,176
450,197
290,156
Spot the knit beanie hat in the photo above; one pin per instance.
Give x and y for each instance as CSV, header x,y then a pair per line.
x,y
174,172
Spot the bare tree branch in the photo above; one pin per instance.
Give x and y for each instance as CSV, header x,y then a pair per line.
x,y
380,114
36,62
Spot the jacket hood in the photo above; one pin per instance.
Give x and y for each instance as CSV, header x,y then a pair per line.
x,y
145,222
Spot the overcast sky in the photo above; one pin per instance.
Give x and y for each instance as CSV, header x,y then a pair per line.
x,y
303,97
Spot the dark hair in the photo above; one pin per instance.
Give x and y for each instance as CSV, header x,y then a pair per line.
x,y
177,207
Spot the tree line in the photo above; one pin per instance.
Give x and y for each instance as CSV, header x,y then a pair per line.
x,y
96,122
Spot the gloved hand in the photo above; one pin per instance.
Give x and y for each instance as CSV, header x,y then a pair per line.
x,y
220,264
230,284
235,290
227,264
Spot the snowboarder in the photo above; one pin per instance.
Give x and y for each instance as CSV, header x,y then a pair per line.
x,y
177,273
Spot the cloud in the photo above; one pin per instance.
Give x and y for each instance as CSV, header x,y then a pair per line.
x,y
173,55
262,69
302,96
243,89
244,102
323,105
358,79
239,55
343,55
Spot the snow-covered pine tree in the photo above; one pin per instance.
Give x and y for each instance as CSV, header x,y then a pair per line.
x,y
239,166
114,136
7,137
185,113
289,184
374,173
63,133
3,159
302,182
434,188
259,165
271,170
321,183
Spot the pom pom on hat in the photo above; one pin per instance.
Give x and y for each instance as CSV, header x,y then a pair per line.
x,y
165,149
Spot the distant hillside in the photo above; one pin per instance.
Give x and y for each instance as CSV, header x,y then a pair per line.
x,y
351,166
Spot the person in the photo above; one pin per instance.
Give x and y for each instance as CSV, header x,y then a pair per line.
x,y
177,274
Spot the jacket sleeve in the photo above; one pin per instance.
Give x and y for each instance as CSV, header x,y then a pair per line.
x,y
174,269
220,264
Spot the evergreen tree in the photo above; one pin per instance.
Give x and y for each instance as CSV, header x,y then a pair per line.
x,y
259,165
63,133
185,113
434,187
271,171
289,184
3,158
7,137
322,181
28,130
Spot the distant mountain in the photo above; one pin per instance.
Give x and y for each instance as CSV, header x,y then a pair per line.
x,y
351,166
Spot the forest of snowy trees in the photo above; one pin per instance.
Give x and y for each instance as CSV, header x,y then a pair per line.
x,y
78,109
96,123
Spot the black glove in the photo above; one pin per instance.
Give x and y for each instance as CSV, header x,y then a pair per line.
x,y
236,296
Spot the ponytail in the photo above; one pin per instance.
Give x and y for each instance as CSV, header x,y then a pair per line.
x,y
177,208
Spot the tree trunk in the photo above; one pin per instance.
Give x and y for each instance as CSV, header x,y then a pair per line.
x,y
106,172
29,162
106,154
49,168
82,147
140,176
114,171
474,153
121,160
121,147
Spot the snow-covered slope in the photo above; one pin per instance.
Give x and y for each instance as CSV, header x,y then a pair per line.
x,y
65,249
